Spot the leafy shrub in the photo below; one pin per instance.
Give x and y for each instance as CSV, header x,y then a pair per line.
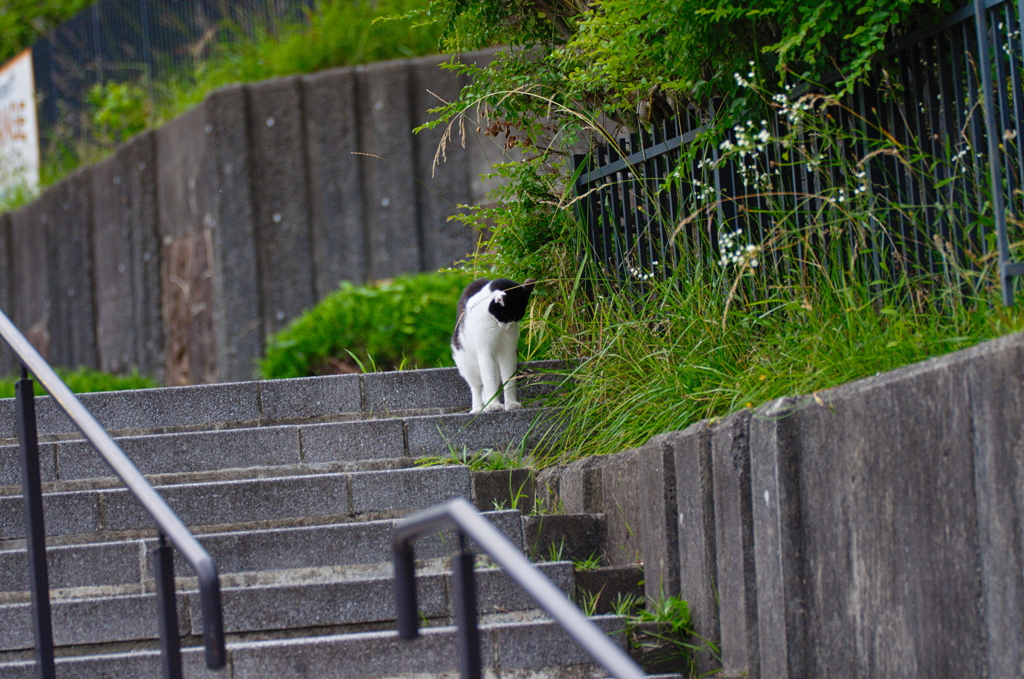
x,y
402,322
119,110
85,380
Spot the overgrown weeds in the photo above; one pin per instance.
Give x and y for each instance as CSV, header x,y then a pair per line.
x,y
795,293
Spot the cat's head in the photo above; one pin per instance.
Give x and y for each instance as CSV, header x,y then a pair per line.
x,y
509,300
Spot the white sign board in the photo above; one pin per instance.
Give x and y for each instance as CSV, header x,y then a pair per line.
x,y
19,130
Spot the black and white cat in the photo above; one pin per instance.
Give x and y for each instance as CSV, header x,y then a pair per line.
x,y
486,339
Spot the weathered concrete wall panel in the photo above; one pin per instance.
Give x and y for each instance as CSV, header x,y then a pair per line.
x,y
30,289
188,199
734,541
388,169
335,181
882,525
280,200
995,380
238,319
69,256
128,321
442,173
695,524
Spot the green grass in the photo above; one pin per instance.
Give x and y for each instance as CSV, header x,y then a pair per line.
x,y
84,380
787,316
668,361
404,322
335,33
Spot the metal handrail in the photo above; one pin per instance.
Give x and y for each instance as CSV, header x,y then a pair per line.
x,y
461,515
168,523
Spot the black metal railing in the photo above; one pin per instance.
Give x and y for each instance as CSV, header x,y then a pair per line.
x,y
170,527
459,514
933,141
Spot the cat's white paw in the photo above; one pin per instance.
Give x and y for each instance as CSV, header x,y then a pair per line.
x,y
492,407
473,411
513,405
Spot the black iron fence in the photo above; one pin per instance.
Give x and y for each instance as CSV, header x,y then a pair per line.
x,y
136,41
915,172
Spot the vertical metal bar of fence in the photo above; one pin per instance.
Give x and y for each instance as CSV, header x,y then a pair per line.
x,y
1000,49
936,152
616,220
97,42
995,166
35,530
645,181
922,97
945,131
630,226
145,30
1015,28
977,134
962,95
606,214
1010,109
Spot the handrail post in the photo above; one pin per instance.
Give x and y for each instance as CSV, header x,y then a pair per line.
x,y
167,609
406,608
464,595
35,530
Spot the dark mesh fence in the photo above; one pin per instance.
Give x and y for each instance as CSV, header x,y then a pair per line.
x,y
138,41
922,176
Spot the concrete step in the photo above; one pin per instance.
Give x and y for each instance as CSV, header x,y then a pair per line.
x,y
535,648
330,601
247,501
289,445
125,567
268,402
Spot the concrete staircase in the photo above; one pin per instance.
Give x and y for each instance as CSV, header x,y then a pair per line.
x,y
293,486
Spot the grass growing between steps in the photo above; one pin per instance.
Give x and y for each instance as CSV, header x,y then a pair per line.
x,y
85,380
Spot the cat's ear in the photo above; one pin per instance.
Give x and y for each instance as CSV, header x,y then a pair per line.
x,y
499,297
528,285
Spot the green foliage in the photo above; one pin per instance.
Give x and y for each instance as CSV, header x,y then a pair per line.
x,y
784,316
590,563
334,33
575,71
24,21
119,110
633,59
404,322
85,380
662,631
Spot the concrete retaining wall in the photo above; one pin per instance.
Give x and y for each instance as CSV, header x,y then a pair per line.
x,y
179,254
872,530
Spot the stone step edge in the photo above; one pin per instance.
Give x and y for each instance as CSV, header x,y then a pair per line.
x,y
338,604
267,402
237,502
532,644
127,561
357,441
